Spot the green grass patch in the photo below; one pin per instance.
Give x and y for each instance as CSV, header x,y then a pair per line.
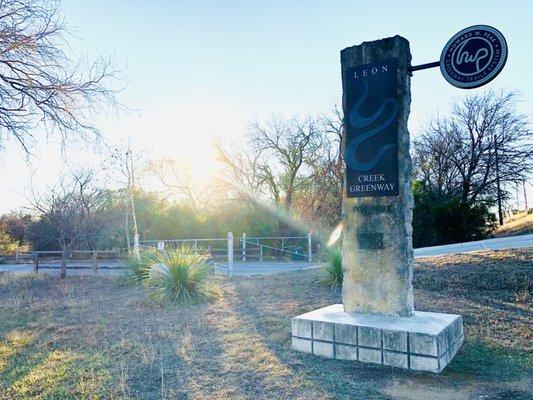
x,y
59,374
492,362
181,276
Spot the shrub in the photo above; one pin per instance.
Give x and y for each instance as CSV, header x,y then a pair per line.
x,y
7,244
438,219
137,269
181,276
332,273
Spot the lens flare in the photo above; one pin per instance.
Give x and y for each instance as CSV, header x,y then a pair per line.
x,y
335,235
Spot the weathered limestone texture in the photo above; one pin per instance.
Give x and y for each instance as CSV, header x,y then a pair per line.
x,y
378,275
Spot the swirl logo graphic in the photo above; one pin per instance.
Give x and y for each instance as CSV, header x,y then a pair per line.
x,y
467,64
357,121
473,57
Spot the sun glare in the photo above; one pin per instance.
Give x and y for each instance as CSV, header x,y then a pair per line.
x,y
335,235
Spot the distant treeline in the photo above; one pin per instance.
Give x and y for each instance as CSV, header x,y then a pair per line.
x,y
286,178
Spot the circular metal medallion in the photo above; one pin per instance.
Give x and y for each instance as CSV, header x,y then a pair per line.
x,y
473,56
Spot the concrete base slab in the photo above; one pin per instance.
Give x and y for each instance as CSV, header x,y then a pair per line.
x,y
425,341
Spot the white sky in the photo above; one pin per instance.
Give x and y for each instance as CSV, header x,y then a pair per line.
x,y
196,69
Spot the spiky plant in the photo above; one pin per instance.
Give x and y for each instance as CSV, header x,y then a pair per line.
x,y
182,276
136,269
333,274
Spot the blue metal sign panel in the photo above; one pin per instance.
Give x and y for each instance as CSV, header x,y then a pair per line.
x,y
371,145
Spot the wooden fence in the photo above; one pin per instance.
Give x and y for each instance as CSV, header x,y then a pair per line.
x,y
79,259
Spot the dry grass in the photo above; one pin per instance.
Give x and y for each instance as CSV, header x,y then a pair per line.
x,y
491,289
90,338
518,225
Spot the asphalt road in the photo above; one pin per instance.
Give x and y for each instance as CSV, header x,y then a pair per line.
x,y
487,244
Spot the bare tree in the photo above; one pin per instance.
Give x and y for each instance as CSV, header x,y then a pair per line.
x,y
240,174
333,128
321,199
123,165
296,163
482,146
285,148
74,214
39,83
433,165
177,182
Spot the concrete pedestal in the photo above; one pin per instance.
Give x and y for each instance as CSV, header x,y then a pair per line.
x,y
425,341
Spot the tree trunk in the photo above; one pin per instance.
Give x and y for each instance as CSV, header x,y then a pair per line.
x,y
525,195
127,229
498,188
64,256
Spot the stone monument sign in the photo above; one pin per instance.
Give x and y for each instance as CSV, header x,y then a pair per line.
x,y
377,208
377,322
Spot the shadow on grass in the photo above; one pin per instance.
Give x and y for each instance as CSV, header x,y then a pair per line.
x,y
477,362
36,370
18,361
268,320
492,363
154,380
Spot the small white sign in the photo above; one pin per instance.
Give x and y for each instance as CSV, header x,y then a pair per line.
x,y
160,245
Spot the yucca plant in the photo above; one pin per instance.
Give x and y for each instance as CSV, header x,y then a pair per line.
x,y
333,274
182,276
136,269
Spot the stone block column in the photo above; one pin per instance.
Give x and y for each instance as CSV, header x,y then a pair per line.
x,y
377,207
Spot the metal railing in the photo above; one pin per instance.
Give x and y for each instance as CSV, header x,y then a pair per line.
x,y
261,248
216,248
257,248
